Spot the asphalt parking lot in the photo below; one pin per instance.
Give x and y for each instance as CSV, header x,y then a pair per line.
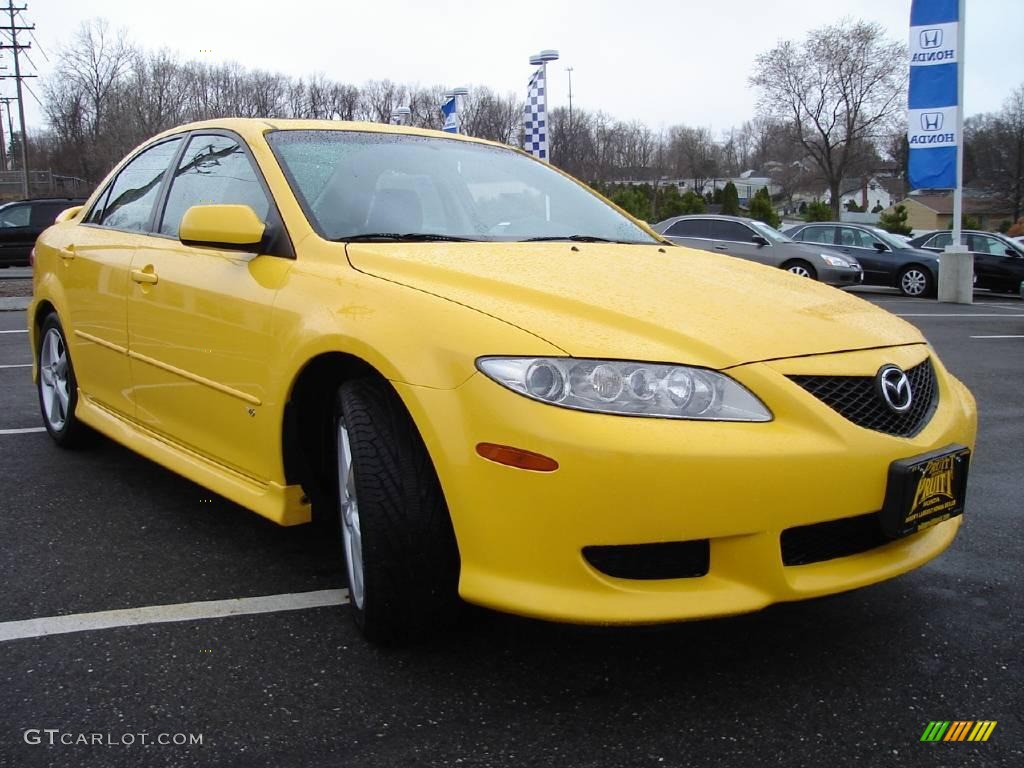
x,y
847,680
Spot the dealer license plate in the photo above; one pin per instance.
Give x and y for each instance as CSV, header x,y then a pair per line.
x,y
925,490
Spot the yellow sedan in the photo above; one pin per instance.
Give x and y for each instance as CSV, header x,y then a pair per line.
x,y
494,383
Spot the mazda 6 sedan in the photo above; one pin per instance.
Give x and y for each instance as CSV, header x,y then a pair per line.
x,y
495,384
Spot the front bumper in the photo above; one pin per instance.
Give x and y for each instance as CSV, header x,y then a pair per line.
x,y
840,276
625,480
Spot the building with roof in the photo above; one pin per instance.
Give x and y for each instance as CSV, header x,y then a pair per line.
x,y
935,211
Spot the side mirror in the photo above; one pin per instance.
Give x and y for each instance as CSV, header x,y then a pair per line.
x,y
236,227
1012,252
759,240
67,214
881,247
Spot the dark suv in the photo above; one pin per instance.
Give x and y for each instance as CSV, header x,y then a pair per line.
x,y
998,260
22,221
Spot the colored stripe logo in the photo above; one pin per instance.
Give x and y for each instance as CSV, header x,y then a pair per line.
x,y
958,730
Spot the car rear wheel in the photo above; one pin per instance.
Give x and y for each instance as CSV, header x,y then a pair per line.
x,y
58,387
915,281
801,268
399,545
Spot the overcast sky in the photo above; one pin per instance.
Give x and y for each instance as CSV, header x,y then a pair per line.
x,y
659,61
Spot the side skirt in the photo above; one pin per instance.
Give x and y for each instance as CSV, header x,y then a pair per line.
x,y
283,504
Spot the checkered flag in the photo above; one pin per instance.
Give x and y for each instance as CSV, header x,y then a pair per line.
x,y
535,117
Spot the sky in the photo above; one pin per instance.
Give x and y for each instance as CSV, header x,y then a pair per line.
x,y
662,62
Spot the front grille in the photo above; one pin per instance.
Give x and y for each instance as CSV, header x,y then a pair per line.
x,y
857,399
666,560
826,541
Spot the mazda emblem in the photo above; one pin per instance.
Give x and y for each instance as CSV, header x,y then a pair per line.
x,y
894,387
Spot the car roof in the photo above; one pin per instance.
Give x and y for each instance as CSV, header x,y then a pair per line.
x,y
253,127
718,216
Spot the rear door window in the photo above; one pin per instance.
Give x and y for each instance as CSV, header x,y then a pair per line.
x,y
941,240
823,235
690,228
129,204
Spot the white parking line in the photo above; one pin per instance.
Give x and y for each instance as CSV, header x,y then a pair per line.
x,y
16,330
22,431
158,614
19,365
961,314
997,337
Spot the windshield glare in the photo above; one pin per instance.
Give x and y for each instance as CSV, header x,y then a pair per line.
x,y
770,232
362,183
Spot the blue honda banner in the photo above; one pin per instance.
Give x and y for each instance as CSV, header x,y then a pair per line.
x,y
450,110
933,128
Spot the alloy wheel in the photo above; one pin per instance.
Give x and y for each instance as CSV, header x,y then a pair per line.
x,y
913,282
53,379
797,269
349,511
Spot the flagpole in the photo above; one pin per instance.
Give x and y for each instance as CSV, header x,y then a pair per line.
x,y
958,191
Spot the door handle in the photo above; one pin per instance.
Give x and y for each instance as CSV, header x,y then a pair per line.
x,y
721,247
146,275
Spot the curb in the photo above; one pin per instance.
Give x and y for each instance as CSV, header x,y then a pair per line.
x,y
11,303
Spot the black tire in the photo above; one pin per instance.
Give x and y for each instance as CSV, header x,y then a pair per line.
x,y
801,268
410,559
72,433
916,282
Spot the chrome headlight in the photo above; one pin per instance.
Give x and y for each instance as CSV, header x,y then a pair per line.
x,y
627,388
835,261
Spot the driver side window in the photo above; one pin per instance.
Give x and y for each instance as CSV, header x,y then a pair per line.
x,y
214,170
14,216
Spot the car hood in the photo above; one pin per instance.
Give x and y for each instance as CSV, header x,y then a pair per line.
x,y
640,302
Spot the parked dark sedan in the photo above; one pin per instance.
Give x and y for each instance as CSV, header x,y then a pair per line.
x,y
22,221
998,260
886,259
756,241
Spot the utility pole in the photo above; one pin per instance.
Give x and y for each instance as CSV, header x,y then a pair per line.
x,y
10,130
16,48
3,142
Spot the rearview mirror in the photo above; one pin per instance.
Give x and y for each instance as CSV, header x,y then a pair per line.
x,y
67,214
222,226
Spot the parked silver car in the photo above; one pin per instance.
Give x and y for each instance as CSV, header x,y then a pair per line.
x,y
756,241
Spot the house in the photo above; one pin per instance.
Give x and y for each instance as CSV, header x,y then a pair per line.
x,y
868,193
935,211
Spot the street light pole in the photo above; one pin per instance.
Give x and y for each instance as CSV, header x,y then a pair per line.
x,y
569,70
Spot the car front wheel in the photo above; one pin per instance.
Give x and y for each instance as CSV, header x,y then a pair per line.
x,y
915,282
801,268
399,545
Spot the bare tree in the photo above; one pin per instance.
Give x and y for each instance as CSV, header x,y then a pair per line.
x,y
840,89
994,156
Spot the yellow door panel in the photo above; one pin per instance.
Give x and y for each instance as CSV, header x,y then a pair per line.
x,y
202,348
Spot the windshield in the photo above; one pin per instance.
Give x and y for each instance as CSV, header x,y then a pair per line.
x,y
364,184
889,239
770,232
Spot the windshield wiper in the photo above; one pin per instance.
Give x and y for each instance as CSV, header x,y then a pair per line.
x,y
405,237
574,238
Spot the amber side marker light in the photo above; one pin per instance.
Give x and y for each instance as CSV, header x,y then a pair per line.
x,y
516,457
